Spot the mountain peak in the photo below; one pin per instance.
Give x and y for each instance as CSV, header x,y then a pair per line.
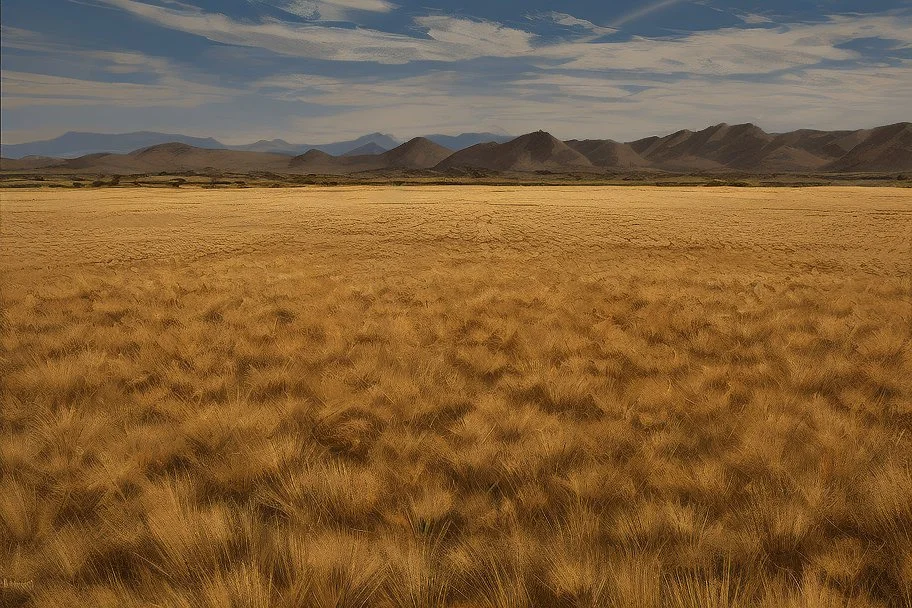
x,y
417,153
536,151
172,148
366,150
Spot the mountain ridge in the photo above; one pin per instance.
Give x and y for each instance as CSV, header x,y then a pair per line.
x,y
74,144
741,148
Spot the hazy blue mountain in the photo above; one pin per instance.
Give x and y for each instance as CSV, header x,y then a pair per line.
x,y
280,146
387,142
467,140
274,146
366,150
75,144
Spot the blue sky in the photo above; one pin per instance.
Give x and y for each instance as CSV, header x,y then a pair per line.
x,y
323,70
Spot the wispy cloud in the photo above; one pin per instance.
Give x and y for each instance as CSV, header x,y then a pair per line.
x,y
570,21
582,82
485,38
754,19
24,89
734,51
330,10
652,7
449,38
588,105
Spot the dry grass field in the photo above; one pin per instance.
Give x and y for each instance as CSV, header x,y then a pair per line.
x,y
493,397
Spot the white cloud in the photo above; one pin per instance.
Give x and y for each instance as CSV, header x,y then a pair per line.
x,y
753,19
485,38
781,77
24,89
575,22
331,10
733,50
25,40
450,38
575,105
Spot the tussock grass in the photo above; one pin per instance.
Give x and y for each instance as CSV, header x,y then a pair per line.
x,y
631,398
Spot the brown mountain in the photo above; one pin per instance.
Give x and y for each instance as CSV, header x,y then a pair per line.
x,y
321,163
609,154
886,148
171,157
748,148
28,163
418,153
183,157
537,151
829,145
720,148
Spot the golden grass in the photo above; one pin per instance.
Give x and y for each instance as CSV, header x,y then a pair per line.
x,y
500,397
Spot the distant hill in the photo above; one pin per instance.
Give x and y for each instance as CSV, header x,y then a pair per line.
x,y
466,140
609,154
886,148
418,153
366,149
720,148
170,157
748,148
717,147
537,151
28,163
387,142
75,144
274,146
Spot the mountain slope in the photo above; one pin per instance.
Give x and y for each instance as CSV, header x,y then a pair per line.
x,y
371,148
466,140
828,145
537,151
720,148
75,144
609,154
418,153
717,147
28,163
273,146
887,148
171,157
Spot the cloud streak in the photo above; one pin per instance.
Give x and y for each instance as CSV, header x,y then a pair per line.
x,y
330,10
449,38
645,11
459,73
24,89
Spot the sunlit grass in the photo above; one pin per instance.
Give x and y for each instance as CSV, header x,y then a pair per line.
x,y
456,403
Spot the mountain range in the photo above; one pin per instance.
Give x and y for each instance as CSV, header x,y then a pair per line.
x,y
743,148
75,144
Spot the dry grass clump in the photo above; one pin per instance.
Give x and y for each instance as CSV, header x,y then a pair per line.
x,y
613,398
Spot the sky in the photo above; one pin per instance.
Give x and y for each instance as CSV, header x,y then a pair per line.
x,y
316,71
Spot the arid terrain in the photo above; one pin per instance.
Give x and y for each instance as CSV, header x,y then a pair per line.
x,y
720,150
502,397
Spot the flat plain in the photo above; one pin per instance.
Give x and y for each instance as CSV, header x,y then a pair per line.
x,y
465,396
